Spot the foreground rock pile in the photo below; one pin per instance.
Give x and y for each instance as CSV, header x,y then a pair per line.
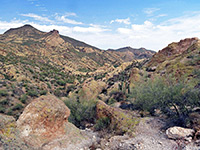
x,y
43,125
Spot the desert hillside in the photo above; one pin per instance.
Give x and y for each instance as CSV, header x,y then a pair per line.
x,y
60,93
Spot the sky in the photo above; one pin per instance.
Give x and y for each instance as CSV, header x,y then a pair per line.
x,y
152,24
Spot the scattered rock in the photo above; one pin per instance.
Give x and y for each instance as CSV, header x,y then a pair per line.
x,y
180,133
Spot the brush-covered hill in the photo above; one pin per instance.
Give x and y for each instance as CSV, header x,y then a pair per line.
x,y
178,58
34,63
129,53
52,47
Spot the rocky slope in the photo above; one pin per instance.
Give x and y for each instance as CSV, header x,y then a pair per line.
x,y
129,53
180,58
34,63
60,50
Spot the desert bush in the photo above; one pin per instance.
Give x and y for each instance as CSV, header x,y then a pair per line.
x,y
2,109
61,82
173,98
23,98
9,112
49,85
111,101
17,107
102,123
32,93
3,92
4,102
81,111
70,88
43,92
58,92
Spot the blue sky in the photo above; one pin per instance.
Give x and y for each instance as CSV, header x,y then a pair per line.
x,y
152,24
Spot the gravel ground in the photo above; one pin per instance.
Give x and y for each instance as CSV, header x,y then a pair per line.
x,y
149,135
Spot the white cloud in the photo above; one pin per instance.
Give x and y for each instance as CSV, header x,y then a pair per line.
x,y
161,15
158,36
125,21
37,17
64,19
150,11
148,35
12,24
91,29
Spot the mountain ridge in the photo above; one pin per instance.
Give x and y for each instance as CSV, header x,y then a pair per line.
x,y
128,53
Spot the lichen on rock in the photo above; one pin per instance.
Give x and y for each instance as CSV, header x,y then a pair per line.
x,y
44,124
121,121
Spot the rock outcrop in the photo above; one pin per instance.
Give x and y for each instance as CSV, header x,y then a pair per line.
x,y
43,125
43,120
177,133
121,121
179,59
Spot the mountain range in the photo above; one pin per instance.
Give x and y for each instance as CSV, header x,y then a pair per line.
x,y
36,66
61,50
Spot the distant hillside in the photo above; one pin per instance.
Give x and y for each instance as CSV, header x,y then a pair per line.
x,y
129,53
69,53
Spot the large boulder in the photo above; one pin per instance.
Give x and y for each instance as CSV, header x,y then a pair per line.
x,y
121,121
44,125
177,133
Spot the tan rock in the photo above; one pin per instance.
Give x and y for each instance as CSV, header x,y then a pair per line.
x,y
43,120
121,121
180,133
9,135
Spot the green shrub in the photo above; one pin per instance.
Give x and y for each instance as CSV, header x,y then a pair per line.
x,y
43,92
3,92
17,107
61,82
102,123
172,97
49,85
111,101
23,98
58,93
81,111
4,102
70,88
32,93
2,109
10,112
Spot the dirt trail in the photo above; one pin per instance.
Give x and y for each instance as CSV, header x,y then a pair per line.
x,y
149,135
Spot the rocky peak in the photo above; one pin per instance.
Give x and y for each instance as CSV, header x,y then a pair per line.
x,y
24,32
179,47
53,38
54,31
27,26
